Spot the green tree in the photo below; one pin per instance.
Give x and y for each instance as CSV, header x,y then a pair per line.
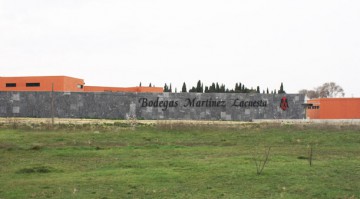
x,y
192,90
281,90
212,88
222,88
183,89
217,89
166,88
206,89
199,87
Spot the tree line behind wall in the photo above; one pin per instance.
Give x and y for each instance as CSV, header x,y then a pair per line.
x,y
221,88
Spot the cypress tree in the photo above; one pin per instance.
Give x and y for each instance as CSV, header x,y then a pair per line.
x,y
213,88
281,91
217,89
222,88
170,89
258,89
199,88
166,89
183,89
206,89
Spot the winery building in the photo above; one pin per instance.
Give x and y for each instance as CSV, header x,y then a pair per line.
x,y
63,84
333,108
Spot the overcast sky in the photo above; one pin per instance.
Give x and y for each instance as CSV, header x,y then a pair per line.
x,y
124,42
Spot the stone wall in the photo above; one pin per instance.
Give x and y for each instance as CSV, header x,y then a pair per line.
x,y
151,106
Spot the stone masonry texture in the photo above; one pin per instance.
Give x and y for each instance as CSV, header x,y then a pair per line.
x,y
151,106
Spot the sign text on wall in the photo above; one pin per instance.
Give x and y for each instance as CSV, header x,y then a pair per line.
x,y
194,102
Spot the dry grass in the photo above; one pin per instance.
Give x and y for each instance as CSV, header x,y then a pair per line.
x,y
90,124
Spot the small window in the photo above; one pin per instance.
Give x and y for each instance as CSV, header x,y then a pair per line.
x,y
32,84
80,86
314,107
10,84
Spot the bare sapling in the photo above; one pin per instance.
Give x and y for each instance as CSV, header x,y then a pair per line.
x,y
261,161
311,150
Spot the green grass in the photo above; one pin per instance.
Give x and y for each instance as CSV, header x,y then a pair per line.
x,y
179,161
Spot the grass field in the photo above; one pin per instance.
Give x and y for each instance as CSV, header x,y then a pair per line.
x,y
178,160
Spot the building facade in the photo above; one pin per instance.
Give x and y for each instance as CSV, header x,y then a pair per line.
x,y
63,84
333,108
42,83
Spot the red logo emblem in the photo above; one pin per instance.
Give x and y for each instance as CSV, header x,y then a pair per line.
x,y
284,104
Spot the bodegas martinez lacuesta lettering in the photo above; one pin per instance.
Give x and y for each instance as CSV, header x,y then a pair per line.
x,y
194,102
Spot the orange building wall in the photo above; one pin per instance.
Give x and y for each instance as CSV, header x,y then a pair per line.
x,y
65,84
311,112
123,89
61,83
150,89
73,84
335,108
